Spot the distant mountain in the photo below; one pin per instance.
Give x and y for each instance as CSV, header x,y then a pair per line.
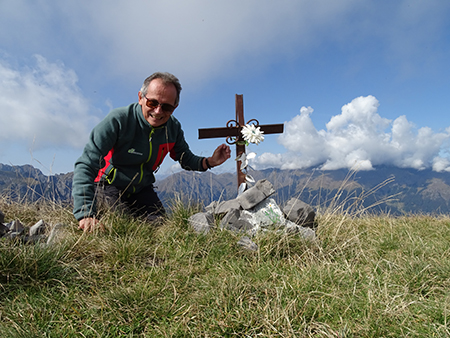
x,y
27,182
385,189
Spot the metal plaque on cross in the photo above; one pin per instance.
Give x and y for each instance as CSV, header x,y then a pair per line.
x,y
233,134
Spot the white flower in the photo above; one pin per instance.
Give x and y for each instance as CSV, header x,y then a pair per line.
x,y
252,134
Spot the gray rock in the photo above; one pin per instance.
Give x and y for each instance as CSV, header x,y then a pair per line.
x,y
16,227
248,244
17,232
256,194
38,229
263,216
202,222
225,206
229,219
250,198
265,187
237,220
299,212
211,208
243,224
252,211
307,233
13,235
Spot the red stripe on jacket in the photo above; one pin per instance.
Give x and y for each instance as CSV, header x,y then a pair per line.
x,y
163,150
102,171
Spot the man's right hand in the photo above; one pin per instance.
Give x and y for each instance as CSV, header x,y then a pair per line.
x,y
90,224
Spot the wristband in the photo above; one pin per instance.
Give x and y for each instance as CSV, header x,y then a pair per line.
x,y
207,163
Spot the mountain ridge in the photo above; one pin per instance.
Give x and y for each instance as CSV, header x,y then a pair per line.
x,y
384,189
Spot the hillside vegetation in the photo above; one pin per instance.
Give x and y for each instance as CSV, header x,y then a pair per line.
x,y
366,276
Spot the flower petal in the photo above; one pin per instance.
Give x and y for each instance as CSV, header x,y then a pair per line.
x,y
244,164
241,157
249,178
242,188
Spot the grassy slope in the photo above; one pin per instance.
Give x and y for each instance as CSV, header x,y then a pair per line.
x,y
368,276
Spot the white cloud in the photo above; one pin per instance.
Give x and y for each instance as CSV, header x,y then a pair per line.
x,y
441,164
358,137
42,105
175,168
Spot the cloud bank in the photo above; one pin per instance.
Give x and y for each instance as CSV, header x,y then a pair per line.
x,y
217,38
357,138
43,106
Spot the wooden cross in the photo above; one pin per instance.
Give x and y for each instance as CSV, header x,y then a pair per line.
x,y
234,136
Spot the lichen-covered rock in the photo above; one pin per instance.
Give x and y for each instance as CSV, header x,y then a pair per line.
x,y
267,213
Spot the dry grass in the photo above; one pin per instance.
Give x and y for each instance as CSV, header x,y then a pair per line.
x,y
366,276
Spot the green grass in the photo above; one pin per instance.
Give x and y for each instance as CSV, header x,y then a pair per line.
x,y
366,276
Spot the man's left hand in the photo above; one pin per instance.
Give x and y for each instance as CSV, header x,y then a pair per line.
x,y
221,154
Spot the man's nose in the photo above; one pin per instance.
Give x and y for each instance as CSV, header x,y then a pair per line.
x,y
158,109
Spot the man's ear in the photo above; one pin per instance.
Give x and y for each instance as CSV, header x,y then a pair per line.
x,y
141,98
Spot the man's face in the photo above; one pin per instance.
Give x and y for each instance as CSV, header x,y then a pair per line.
x,y
158,92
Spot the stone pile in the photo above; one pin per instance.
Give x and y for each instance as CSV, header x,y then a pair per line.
x,y
254,211
40,232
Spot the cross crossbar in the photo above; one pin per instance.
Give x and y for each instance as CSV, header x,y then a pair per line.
x,y
235,131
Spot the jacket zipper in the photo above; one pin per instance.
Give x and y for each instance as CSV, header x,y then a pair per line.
x,y
160,160
149,156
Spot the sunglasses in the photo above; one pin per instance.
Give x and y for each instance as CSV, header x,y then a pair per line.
x,y
153,104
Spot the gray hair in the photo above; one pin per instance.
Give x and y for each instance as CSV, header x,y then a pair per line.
x,y
167,78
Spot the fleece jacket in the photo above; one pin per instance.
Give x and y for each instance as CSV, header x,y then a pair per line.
x,y
125,150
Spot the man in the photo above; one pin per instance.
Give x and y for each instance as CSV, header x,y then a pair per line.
x,y
127,147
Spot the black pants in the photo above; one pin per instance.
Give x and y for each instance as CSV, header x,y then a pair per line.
x,y
144,203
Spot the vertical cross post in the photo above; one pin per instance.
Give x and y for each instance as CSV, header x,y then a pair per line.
x,y
240,145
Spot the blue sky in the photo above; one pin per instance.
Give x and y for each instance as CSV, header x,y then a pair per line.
x,y
356,83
